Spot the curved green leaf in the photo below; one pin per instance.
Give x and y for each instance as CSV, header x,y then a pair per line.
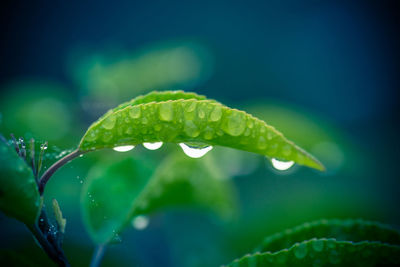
x,y
190,120
326,252
19,195
345,230
108,193
116,192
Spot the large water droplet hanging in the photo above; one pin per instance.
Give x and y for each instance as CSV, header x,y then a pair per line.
x,y
153,146
195,152
140,222
281,165
123,148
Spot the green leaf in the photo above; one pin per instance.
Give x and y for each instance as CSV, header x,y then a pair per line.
x,y
19,195
326,252
108,195
115,193
163,117
345,230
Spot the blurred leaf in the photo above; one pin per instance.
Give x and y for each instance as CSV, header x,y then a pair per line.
x,y
108,195
326,252
184,181
115,193
117,76
345,230
19,195
190,120
36,108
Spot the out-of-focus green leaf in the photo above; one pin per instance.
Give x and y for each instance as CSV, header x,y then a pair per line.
x,y
191,120
115,193
345,230
108,195
184,181
326,252
120,75
38,109
19,195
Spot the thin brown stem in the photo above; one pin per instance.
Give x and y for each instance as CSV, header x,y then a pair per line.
x,y
50,171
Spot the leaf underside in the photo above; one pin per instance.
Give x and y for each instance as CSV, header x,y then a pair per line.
x,y
19,195
178,117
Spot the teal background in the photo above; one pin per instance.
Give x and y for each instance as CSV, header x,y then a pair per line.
x,y
325,73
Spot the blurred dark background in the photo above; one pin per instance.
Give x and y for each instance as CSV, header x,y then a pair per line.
x,y
325,73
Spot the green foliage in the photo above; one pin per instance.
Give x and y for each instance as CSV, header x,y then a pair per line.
x,y
116,192
328,242
19,196
190,120
108,195
326,252
350,230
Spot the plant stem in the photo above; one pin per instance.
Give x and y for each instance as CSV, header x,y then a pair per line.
x,y
98,255
47,247
50,171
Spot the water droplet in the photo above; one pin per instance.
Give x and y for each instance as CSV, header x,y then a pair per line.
x,y
129,130
190,106
195,152
281,165
81,181
216,114
234,124
250,123
140,222
153,146
301,251
318,245
166,111
201,113
191,129
208,133
43,146
81,155
109,122
145,120
262,143
107,136
134,112
157,127
91,136
41,220
123,148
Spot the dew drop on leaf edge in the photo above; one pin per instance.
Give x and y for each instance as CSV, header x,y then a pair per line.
x,y
194,152
153,146
123,148
281,165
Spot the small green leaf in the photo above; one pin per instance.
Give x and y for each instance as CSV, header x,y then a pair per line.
x,y
116,192
179,117
326,252
345,230
19,195
61,221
